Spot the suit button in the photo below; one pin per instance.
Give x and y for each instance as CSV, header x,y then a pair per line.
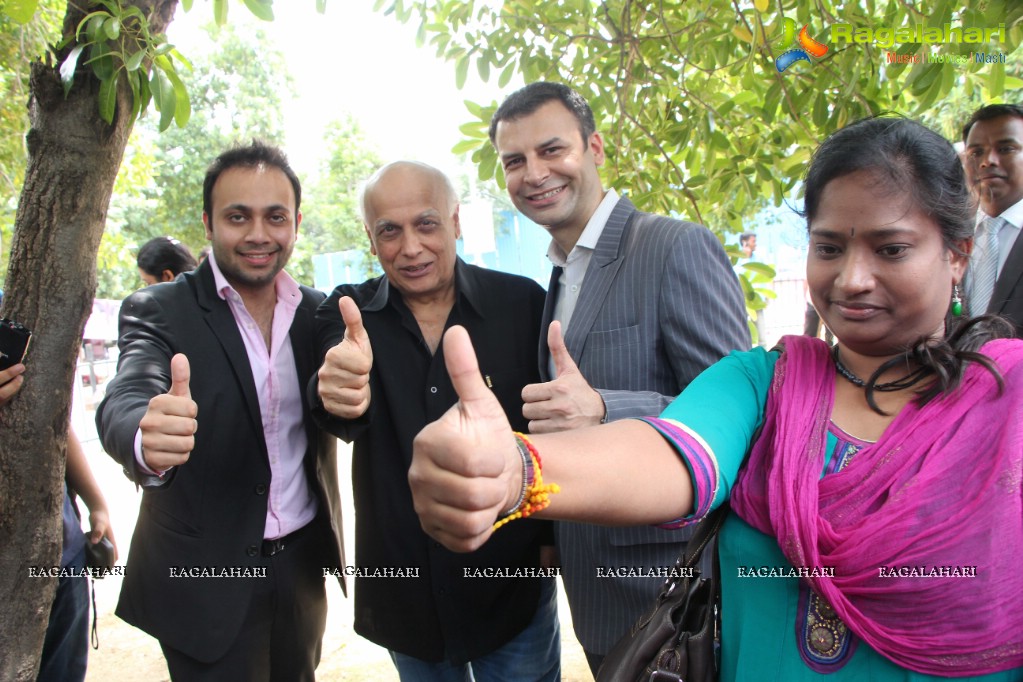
x,y
252,550
261,489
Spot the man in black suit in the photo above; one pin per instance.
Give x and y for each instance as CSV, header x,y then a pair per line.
x,y
240,517
994,168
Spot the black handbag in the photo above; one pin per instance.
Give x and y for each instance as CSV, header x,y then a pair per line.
x,y
677,640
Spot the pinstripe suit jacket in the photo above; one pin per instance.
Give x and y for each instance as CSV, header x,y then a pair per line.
x,y
660,302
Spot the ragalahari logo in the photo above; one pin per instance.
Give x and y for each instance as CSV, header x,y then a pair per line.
x,y
807,46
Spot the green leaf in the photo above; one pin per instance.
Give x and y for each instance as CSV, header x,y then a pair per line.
x,y
465,146
67,68
112,28
145,94
101,61
488,165
483,67
506,75
321,6
164,97
760,269
186,5
996,80
136,96
131,12
135,61
157,81
473,129
108,99
182,105
461,71
180,58
747,288
926,77
263,9
21,11
94,26
219,15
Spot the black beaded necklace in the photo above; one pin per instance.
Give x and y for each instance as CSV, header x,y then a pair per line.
x,y
899,384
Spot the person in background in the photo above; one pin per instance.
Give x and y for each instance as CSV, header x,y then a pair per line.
x,y
65,652
748,244
66,643
994,170
162,259
880,486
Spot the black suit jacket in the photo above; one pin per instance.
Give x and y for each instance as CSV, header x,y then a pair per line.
x,y
211,511
1007,297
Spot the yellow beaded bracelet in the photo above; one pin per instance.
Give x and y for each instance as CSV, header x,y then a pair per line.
x,y
535,493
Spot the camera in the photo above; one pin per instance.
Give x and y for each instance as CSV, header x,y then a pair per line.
x,y
14,339
99,556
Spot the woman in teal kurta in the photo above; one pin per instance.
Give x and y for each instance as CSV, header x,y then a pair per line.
x,y
897,499
756,586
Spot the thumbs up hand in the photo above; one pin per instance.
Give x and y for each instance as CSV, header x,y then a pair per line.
x,y
344,376
169,425
567,402
466,469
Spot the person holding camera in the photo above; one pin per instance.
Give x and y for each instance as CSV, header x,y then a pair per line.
x,y
66,644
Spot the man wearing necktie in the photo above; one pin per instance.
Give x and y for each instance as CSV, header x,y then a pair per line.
x,y
643,303
994,168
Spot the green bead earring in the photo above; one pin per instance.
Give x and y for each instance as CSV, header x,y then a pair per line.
x,y
957,302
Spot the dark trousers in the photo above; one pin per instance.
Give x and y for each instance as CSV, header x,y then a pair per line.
x,y
594,661
281,636
66,645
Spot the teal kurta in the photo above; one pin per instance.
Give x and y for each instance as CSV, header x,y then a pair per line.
x,y
768,621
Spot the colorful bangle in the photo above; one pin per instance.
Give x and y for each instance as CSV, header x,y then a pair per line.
x,y
527,476
535,493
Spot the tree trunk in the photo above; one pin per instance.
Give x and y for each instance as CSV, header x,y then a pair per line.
x,y
73,158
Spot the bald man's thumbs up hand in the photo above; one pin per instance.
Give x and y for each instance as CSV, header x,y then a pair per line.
x,y
169,425
466,469
344,376
567,402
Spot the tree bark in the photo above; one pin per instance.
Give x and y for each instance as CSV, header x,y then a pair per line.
x,y
73,159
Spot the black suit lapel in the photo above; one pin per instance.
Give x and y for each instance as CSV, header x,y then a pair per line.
x,y
545,323
1009,280
221,322
302,334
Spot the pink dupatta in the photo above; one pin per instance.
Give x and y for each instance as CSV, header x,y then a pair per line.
x,y
941,490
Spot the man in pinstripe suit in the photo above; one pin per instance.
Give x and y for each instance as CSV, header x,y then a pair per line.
x,y
646,302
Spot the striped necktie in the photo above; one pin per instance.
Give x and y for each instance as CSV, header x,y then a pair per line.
x,y
985,265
